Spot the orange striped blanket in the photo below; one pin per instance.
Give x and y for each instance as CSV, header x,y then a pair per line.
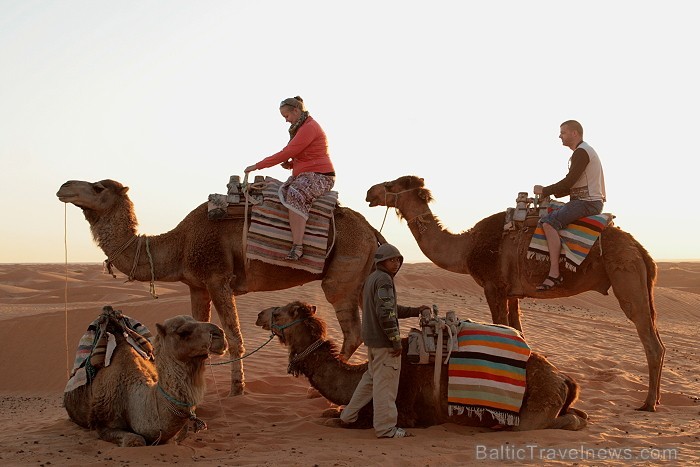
x,y
577,239
487,374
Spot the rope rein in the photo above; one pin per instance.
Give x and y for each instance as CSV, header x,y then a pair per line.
x,y
243,356
65,289
130,278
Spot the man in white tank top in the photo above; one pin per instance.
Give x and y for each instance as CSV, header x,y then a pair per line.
x,y
584,184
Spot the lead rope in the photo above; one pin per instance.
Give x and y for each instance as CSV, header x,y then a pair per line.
x,y
65,290
216,388
244,240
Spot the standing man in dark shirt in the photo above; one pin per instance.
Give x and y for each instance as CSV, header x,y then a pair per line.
x,y
380,333
585,184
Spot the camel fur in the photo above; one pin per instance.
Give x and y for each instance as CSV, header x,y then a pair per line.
x,y
208,256
497,262
136,402
547,402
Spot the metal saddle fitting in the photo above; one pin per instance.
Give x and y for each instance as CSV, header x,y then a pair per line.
x,y
236,190
528,211
436,336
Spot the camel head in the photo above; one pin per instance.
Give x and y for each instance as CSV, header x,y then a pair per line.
x,y
186,339
387,193
95,199
291,321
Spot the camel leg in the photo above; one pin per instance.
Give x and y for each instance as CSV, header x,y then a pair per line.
x,y
121,437
498,304
201,303
349,320
630,288
514,314
225,304
344,295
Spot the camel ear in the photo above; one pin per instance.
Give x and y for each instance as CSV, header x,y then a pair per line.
x,y
312,309
123,190
161,329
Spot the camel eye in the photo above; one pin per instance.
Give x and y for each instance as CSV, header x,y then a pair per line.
x,y
184,333
98,188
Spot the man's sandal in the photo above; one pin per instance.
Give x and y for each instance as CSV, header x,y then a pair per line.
x,y
554,280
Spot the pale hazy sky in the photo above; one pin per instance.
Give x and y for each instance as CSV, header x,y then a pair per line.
x,y
171,97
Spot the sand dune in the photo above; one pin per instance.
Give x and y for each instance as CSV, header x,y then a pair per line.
x,y
45,308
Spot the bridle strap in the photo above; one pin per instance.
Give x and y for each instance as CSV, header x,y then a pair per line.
x,y
386,194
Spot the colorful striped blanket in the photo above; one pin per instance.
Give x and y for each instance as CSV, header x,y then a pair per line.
x,y
577,239
270,238
487,373
97,345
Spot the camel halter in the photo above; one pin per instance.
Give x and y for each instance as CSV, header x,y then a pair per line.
x,y
173,405
421,226
301,356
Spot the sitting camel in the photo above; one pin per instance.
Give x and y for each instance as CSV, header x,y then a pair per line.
x,y
209,257
497,261
135,402
547,401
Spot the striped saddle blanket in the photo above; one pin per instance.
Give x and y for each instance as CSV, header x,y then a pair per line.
x,y
487,373
97,345
270,238
577,239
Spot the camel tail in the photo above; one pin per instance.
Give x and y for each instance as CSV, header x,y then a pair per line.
x,y
572,394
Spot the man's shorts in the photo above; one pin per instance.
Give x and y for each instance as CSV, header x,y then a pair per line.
x,y
574,209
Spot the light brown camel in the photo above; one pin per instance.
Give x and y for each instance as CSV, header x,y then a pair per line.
x,y
546,404
135,402
498,263
208,257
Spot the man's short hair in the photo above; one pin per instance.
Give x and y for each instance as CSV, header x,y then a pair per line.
x,y
574,125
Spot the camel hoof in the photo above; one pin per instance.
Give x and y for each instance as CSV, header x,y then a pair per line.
x,y
337,423
647,407
332,412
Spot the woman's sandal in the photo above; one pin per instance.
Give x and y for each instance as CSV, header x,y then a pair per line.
x,y
295,253
555,282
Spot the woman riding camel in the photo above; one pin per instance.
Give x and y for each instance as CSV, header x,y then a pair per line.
x,y
312,170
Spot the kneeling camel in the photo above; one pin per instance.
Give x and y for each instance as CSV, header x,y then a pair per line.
x,y
133,401
547,401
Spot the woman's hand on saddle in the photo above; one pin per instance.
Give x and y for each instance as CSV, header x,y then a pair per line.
x,y
250,168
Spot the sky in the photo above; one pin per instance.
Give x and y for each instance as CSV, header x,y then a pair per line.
x,y
171,97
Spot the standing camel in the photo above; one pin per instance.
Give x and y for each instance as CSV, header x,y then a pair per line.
x,y
497,262
208,257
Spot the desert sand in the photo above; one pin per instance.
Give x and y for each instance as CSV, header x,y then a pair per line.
x,y
45,308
